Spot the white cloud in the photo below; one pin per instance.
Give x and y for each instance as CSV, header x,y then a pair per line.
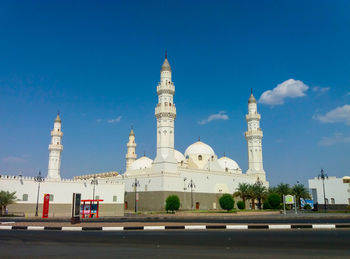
x,y
334,139
219,116
115,120
320,90
339,114
288,89
13,159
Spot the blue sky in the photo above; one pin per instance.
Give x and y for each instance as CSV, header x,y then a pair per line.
x,y
98,61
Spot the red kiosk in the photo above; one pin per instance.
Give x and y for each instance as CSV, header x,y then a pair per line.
x,y
90,209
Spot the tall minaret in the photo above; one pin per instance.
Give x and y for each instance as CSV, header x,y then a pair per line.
x,y
165,113
254,136
131,153
55,149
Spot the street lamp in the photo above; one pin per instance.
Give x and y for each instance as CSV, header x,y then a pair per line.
x,y
38,179
323,176
135,185
191,185
94,182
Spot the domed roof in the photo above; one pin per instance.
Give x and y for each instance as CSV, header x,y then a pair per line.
x,y
58,119
179,156
166,66
141,163
251,99
199,148
228,163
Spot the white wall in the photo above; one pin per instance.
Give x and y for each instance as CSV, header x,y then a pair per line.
x,y
334,188
63,190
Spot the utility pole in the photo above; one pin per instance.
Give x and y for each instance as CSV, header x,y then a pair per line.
x,y
323,176
135,185
192,185
38,179
94,182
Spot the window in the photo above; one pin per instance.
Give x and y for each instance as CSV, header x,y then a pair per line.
x,y
200,157
114,198
326,201
146,187
97,197
25,197
51,197
226,169
182,163
332,201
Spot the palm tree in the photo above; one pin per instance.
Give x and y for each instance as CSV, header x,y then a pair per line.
x,y
259,191
300,191
283,189
6,198
242,191
252,195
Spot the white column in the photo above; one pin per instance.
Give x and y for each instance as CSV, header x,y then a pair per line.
x,y
254,136
55,149
131,153
165,113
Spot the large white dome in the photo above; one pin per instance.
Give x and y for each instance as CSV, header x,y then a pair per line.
x,y
179,156
228,163
141,163
199,148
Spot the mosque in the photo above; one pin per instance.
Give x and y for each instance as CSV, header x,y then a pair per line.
x,y
199,177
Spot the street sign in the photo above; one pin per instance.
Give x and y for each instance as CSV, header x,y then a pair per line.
x,y
289,199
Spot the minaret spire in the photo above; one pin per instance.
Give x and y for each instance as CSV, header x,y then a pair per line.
x,y
131,149
165,113
254,136
55,149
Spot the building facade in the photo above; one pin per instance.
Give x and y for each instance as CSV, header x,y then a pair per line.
x,y
198,176
336,192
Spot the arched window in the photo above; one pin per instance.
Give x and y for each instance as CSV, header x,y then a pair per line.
x,y
182,163
326,201
332,201
226,169
212,158
25,197
200,157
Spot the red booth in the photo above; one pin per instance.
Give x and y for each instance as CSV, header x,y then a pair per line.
x,y
89,208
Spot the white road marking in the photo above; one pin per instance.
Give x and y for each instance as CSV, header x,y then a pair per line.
x,y
113,228
236,226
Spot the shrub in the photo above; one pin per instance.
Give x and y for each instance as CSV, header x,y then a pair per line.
x,y
266,205
226,202
307,207
241,205
274,201
172,203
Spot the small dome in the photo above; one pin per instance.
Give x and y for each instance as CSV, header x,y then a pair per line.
x,y
166,66
199,148
251,99
58,119
228,163
179,156
141,163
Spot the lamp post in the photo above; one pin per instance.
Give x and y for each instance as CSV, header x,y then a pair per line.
x,y
94,182
192,185
38,179
135,185
323,176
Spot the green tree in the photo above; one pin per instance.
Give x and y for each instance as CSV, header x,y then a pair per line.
x,y
300,191
6,198
274,200
227,202
283,189
241,205
172,203
242,191
258,191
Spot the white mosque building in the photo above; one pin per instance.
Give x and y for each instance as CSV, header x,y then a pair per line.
x,y
198,176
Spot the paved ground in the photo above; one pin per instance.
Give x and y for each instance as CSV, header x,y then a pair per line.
x,y
173,244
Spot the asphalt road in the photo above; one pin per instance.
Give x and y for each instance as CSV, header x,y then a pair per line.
x,y
173,244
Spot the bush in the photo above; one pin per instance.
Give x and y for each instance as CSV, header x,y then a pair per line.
x,y
226,202
266,205
172,203
307,207
241,205
274,201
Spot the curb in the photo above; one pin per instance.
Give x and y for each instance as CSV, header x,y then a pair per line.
x,y
185,227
